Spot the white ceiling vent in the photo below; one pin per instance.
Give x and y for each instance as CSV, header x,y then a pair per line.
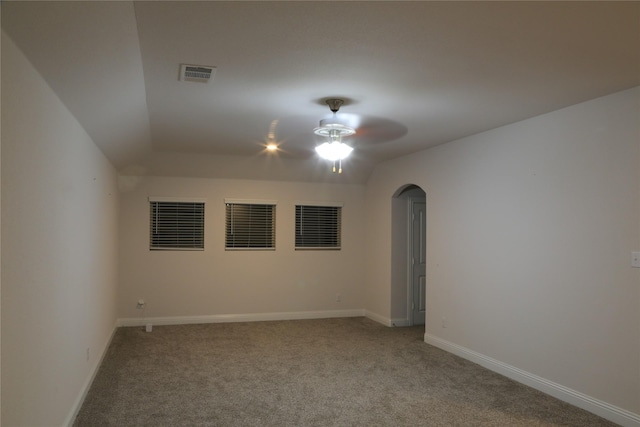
x,y
196,73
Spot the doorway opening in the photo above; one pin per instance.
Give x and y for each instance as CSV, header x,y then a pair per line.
x,y
408,284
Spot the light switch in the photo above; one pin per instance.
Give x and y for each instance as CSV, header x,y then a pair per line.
x,y
635,259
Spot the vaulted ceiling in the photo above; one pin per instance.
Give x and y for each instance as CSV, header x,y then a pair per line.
x,y
413,74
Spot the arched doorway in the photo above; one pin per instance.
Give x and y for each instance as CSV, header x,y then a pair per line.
x,y
408,281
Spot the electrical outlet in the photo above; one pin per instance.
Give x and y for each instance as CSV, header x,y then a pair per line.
x,y
140,303
635,259
338,297
88,353
444,322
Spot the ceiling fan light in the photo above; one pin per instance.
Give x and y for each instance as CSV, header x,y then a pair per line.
x,y
333,151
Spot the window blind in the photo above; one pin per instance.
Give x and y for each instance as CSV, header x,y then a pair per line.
x,y
176,225
250,226
318,227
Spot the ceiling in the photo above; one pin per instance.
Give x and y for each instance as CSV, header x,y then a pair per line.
x,y
413,74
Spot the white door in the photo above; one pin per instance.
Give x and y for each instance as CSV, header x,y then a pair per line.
x,y
418,261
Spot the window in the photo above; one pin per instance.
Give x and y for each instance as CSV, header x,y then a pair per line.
x,y
318,227
176,225
250,225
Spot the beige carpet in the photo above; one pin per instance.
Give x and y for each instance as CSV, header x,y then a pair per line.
x,y
329,372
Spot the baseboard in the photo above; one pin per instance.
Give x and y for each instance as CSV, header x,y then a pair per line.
x,y
386,321
610,412
229,318
377,318
400,322
73,413
259,317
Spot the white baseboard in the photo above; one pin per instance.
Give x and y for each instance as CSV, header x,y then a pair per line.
x,y
386,321
73,413
610,412
228,318
400,322
392,323
377,318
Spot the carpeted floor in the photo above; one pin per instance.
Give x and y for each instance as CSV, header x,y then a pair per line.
x,y
329,372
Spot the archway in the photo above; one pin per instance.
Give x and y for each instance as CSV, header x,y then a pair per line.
x,y
408,256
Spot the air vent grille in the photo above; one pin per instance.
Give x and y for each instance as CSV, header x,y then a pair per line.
x,y
196,73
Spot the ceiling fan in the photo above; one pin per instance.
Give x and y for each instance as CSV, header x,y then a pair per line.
x,y
334,129
339,134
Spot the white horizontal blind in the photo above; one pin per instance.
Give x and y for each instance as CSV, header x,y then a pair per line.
x,y
318,227
176,225
250,226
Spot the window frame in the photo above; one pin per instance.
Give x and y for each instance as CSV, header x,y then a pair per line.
x,y
250,202
197,221
336,228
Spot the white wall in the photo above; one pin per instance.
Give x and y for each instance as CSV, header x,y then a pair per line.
x,y
216,282
530,229
59,250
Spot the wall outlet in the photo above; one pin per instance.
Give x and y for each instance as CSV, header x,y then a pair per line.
x,y
338,297
635,259
140,303
88,353
444,322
